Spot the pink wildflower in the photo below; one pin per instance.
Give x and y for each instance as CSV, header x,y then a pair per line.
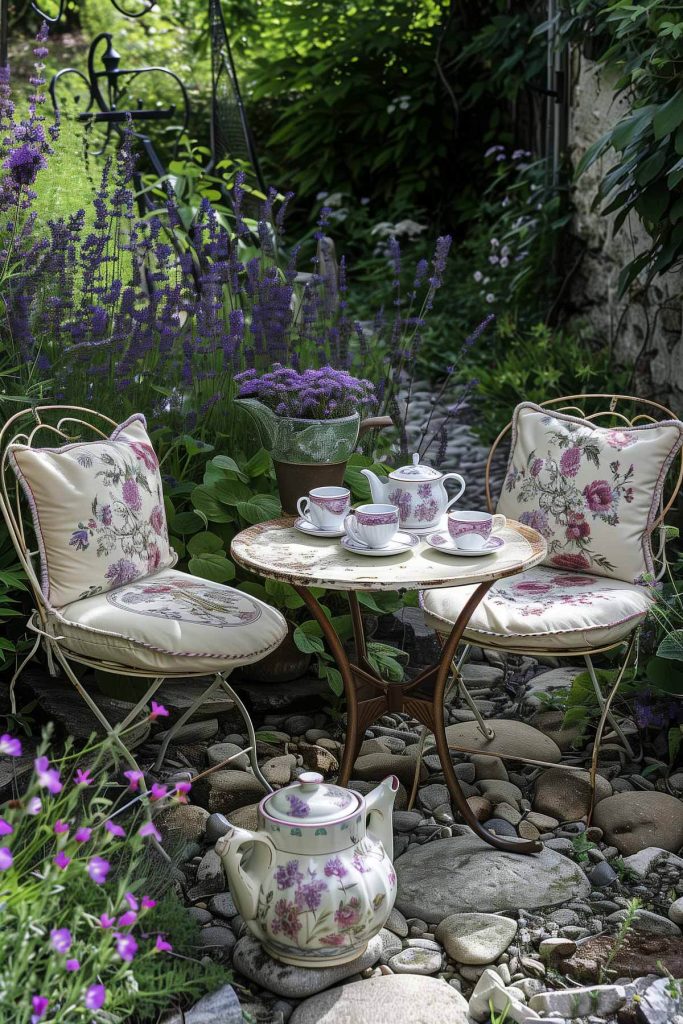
x,y
98,869
158,711
162,945
127,919
148,829
60,827
61,860
114,829
82,834
131,901
39,1004
126,946
60,940
5,828
48,778
95,997
83,777
34,806
72,965
10,746
106,921
182,789
148,903
158,792
134,779
6,859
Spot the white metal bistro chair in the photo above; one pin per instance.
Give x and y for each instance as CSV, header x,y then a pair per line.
x,y
101,568
596,475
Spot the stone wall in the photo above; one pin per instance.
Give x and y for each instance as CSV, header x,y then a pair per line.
x,y
645,328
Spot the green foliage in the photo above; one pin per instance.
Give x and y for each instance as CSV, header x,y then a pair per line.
x,y
40,895
642,47
619,939
533,364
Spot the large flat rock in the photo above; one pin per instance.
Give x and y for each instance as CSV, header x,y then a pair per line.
x,y
516,739
466,875
396,999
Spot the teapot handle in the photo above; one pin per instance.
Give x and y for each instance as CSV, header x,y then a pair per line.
x,y
244,886
453,476
374,423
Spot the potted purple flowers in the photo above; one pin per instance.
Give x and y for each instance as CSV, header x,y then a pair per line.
x,y
310,421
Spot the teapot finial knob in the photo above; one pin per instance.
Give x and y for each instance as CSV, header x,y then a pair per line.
x,y
309,780
416,458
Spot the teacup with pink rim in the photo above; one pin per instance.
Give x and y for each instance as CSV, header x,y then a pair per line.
x,y
471,530
325,507
373,525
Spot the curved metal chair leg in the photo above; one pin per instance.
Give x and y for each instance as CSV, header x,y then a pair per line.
x,y
114,732
250,731
487,732
603,718
13,680
186,715
601,704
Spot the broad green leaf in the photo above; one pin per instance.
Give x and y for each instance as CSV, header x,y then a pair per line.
x,y
671,646
260,508
669,116
258,464
187,522
665,675
307,644
178,546
334,678
228,465
650,168
230,490
193,446
204,543
212,567
214,510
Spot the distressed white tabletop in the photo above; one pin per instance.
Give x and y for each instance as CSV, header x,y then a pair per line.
x,y
277,551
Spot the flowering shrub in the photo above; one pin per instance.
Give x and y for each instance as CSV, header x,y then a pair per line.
x,y
312,394
79,938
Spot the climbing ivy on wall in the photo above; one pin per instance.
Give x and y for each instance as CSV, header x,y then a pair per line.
x,y
642,43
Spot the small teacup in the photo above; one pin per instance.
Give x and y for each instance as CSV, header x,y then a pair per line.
x,y
373,525
471,530
325,507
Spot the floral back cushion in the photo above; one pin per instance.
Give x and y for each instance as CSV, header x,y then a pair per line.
x,y
98,512
593,492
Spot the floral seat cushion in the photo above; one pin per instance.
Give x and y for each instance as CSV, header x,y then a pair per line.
x,y
544,609
98,511
170,623
593,492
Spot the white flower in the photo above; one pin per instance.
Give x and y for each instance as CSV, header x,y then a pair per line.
x,y
490,297
321,195
408,227
505,251
493,260
504,261
494,243
478,276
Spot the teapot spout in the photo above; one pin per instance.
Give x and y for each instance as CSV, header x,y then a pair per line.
x,y
379,805
378,488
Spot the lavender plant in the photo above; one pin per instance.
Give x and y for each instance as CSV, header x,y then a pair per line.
x,y
79,940
312,394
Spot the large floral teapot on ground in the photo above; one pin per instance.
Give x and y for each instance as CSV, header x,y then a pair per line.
x,y
316,881
419,492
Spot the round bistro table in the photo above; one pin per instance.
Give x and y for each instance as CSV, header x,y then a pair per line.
x,y
277,551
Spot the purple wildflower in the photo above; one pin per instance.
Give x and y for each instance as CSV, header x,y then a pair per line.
x,y
10,746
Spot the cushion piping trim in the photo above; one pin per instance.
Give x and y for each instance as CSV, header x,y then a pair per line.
x,y
646,546
547,632
161,650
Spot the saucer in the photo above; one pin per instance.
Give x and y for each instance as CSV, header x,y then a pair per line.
x,y
444,542
303,526
401,542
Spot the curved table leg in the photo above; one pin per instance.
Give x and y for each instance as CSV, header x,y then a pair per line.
x,y
427,707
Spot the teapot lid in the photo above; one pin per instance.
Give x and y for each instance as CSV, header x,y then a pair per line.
x,y
310,801
416,471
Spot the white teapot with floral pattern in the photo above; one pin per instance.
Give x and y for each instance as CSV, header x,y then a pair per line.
x,y
316,881
418,491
